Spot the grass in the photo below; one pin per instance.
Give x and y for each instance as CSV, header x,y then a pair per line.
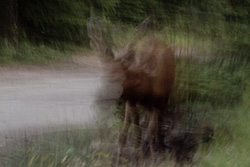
x,y
221,88
7,52
28,53
54,149
231,146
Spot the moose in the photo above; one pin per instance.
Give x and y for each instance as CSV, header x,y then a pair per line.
x,y
148,69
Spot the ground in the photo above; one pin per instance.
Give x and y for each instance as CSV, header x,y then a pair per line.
x,y
40,99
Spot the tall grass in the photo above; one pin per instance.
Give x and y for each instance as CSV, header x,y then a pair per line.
x,y
231,145
7,52
26,52
68,148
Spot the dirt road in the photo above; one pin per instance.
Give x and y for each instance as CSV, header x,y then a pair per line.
x,y
35,100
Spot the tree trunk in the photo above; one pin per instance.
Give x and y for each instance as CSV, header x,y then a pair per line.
x,y
12,19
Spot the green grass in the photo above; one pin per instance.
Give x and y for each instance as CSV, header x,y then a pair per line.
x,y
66,148
28,53
231,145
7,52
221,88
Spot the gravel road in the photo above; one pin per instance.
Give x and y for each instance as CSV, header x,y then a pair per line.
x,y
37,100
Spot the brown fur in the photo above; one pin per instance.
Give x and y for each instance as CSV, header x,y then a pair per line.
x,y
149,78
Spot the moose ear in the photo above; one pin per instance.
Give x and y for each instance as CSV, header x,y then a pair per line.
x,y
141,29
143,26
96,34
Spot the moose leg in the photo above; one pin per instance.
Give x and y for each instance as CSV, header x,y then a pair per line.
x,y
124,131
137,136
137,129
154,132
160,135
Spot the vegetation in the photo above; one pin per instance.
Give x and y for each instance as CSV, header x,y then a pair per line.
x,y
213,84
61,23
28,53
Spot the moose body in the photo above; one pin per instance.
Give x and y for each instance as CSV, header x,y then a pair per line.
x,y
149,72
149,77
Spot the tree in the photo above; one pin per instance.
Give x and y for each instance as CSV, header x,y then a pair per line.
x,y
9,20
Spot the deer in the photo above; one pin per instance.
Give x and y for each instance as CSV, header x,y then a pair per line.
x,y
149,72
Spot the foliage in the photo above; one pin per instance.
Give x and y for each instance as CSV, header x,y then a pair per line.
x,y
54,149
212,83
65,21
53,21
231,146
7,52
29,53
60,23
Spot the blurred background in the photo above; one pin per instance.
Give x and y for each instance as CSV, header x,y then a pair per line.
x,y
211,40
222,26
